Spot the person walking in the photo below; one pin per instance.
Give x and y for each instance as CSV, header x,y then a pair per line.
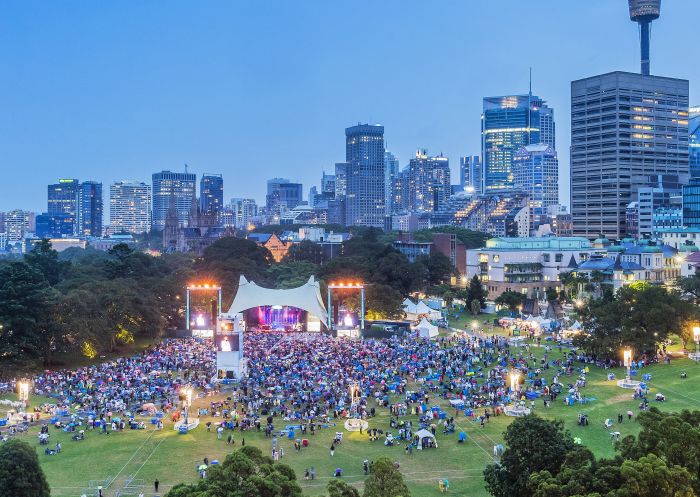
x,y
156,484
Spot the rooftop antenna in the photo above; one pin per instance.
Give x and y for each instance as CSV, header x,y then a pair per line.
x,y
185,168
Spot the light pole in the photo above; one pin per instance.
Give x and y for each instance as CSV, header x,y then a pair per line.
x,y
627,357
23,392
696,337
514,382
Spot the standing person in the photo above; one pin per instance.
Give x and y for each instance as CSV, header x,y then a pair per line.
x,y
156,484
313,473
332,449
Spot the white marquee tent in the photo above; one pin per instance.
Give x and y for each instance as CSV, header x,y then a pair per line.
x,y
426,330
415,311
423,434
306,297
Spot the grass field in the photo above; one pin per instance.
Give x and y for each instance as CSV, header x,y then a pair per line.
x,y
173,458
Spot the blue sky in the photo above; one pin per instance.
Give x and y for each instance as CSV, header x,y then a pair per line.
x,y
258,89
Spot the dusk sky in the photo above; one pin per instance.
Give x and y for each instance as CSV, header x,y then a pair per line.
x,y
118,90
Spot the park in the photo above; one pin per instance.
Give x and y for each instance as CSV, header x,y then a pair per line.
x,y
438,407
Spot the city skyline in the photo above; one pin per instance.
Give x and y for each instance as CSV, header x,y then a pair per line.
x,y
89,121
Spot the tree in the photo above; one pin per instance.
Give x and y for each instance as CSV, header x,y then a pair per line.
x,y
690,286
292,274
244,473
638,316
475,307
438,266
20,472
45,259
338,488
532,444
650,476
551,294
26,302
385,481
511,300
305,251
673,436
476,291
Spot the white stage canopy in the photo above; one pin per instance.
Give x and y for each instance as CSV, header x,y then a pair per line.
x,y
306,297
427,330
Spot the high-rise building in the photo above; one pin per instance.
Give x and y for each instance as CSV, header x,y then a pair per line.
x,y
470,174
364,155
391,163
54,225
625,127
244,211
536,172
62,198
176,188
18,223
89,210
341,179
282,195
509,123
211,194
328,184
129,207
428,182
691,203
694,141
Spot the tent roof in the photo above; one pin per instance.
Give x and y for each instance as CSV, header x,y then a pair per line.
x,y
422,308
424,433
409,306
426,329
306,297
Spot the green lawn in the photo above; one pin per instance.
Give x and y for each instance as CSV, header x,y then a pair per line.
x,y
173,458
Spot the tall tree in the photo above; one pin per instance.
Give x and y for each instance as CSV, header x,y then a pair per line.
x,y
385,481
476,291
532,444
20,472
338,488
45,259
26,302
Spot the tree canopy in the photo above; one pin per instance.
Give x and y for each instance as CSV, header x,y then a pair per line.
x,y
20,472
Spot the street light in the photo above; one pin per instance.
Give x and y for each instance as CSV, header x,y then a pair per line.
x,y
696,337
627,357
475,325
514,381
23,391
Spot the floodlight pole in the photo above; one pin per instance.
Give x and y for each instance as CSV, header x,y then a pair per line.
x,y
329,309
187,312
362,309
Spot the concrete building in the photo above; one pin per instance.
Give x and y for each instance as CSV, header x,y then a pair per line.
x,y
129,207
624,127
536,173
524,264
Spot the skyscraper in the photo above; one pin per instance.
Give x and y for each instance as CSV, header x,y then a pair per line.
x,y
507,124
244,210
129,207
211,194
694,141
18,223
364,155
341,179
470,174
625,127
392,170
62,198
89,210
282,195
179,188
428,182
536,172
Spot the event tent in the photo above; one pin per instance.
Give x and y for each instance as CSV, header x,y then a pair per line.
x,y
306,297
426,330
423,434
415,311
